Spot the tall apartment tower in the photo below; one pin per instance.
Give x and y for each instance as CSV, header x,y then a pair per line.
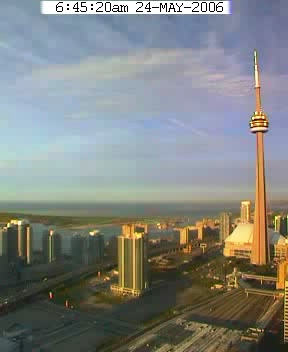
x,y
185,235
25,237
3,243
132,263
51,246
225,226
277,219
95,247
280,224
12,242
246,211
79,249
286,311
259,125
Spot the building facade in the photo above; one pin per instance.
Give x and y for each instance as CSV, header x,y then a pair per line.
x,y
240,243
245,211
282,273
286,311
95,247
184,236
12,242
24,239
225,226
3,243
51,246
132,264
79,249
280,224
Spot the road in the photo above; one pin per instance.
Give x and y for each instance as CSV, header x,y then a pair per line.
x,y
38,288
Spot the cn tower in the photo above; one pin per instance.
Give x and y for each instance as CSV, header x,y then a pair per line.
x,y
259,125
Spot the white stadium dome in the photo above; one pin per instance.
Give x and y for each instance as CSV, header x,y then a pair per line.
x,y
243,234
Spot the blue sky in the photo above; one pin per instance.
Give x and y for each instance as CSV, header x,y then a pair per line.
x,y
147,108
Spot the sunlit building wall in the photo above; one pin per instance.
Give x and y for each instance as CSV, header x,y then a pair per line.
x,y
24,240
3,243
51,246
282,272
132,264
184,235
286,311
245,211
225,226
239,243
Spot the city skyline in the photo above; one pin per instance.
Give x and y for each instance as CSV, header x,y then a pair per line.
x,y
112,109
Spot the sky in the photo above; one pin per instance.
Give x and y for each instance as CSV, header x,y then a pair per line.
x,y
140,108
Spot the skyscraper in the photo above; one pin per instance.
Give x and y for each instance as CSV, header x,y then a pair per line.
x,y
3,243
12,242
225,226
24,234
259,125
51,246
185,235
132,263
79,249
3,253
95,247
280,224
245,211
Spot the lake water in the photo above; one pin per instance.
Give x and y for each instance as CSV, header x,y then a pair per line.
x,y
192,211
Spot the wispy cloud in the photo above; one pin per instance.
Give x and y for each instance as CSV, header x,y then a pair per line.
x,y
181,124
139,106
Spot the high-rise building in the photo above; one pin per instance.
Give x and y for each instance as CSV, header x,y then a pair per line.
x,y
277,222
282,272
79,249
184,235
270,219
4,272
51,246
259,125
132,264
12,242
246,211
24,234
225,226
286,311
3,243
111,249
280,224
95,247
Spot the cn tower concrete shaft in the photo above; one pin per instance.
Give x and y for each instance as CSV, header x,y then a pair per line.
x,y
260,244
259,125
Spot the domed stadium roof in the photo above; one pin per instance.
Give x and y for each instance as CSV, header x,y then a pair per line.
x,y
244,234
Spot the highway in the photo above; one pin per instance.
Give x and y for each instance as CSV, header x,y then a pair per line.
x,y
35,289
38,288
55,328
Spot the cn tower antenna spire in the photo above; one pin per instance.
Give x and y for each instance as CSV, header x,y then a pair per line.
x,y
257,82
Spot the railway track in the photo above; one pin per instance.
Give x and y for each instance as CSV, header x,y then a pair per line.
x,y
236,308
